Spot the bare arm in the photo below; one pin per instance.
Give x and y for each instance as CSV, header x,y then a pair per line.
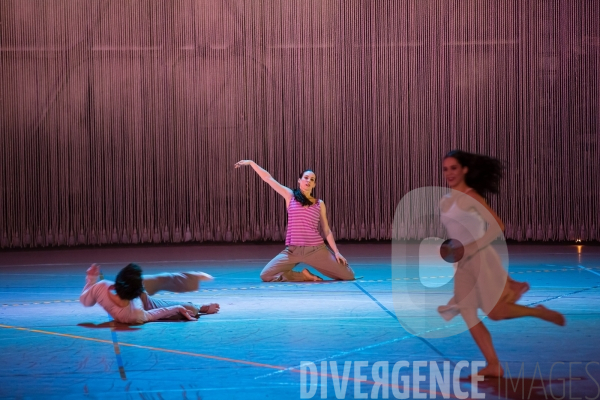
x,y
166,312
88,297
329,235
494,223
266,176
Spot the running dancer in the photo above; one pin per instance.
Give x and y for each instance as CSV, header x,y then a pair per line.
x,y
303,241
480,281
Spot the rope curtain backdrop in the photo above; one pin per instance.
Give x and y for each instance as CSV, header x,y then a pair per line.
x,y
121,120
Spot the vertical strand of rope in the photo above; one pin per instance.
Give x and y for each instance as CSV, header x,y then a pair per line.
x,y
121,122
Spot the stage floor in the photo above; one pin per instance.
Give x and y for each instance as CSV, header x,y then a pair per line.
x,y
53,347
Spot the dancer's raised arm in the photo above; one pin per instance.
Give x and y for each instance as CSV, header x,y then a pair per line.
x,y
284,191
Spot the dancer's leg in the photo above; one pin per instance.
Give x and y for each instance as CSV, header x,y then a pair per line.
x,y
483,339
514,290
280,268
510,310
179,282
324,261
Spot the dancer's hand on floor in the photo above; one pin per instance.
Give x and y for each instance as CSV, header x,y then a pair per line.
x,y
186,313
242,163
340,258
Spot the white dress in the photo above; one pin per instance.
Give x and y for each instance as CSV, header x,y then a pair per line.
x,y
479,281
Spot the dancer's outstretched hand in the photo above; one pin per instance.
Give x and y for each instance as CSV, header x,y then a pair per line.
x,y
242,163
94,270
340,258
186,313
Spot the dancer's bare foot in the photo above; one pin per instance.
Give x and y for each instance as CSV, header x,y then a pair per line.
x,y
518,289
551,316
310,276
203,276
491,371
212,308
523,287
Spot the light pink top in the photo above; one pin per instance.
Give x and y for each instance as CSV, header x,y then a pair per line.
x,y
303,224
133,313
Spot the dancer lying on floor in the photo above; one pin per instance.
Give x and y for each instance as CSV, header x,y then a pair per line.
x,y
128,299
303,241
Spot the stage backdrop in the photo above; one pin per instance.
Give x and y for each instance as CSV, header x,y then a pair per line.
x,y
121,120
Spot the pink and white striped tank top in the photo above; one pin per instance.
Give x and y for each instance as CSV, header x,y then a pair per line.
x,y
303,224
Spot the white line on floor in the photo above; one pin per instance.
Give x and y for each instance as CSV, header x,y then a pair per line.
x,y
588,270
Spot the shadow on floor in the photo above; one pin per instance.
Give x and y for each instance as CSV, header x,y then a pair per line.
x,y
118,327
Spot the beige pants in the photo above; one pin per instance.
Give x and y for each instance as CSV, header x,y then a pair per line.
x,y
179,282
319,257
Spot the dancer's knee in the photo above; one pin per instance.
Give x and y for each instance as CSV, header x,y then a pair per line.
x,y
343,277
348,274
470,316
267,276
348,277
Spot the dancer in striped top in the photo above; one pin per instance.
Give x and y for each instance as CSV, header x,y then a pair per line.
x,y
303,241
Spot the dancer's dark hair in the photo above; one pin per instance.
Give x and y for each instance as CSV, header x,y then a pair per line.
x,y
129,284
484,172
298,195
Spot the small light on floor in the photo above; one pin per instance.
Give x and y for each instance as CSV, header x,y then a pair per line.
x,y
578,241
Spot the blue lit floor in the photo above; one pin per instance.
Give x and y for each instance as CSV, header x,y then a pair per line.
x,y
52,347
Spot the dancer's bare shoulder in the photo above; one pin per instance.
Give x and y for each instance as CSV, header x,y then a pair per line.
x,y
479,201
473,193
480,204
